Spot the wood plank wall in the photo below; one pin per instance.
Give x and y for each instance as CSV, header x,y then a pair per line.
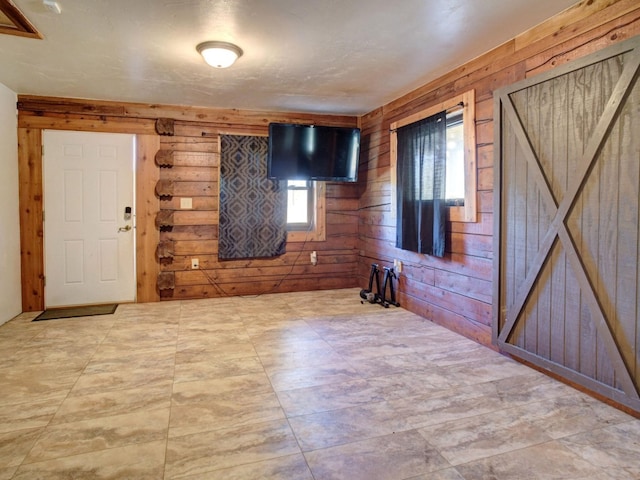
x,y
196,171
456,291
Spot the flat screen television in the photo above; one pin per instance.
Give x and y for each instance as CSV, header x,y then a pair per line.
x,y
311,152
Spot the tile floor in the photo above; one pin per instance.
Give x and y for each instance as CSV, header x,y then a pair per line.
x,y
293,387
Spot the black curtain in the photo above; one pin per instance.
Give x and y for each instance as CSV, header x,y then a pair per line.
x,y
421,163
253,209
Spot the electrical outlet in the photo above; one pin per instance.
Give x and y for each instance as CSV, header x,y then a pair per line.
x,y
397,266
314,258
186,203
195,264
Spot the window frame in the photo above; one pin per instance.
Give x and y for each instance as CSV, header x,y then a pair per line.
x,y
468,212
317,232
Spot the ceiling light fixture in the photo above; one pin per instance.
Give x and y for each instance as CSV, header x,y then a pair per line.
x,y
219,54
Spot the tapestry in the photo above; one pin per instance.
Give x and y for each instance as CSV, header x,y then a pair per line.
x,y
253,209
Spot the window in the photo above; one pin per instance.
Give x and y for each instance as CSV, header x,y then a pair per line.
x,y
299,205
305,211
460,157
454,181
420,190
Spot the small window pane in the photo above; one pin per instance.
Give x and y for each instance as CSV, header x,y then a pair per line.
x,y
297,207
454,186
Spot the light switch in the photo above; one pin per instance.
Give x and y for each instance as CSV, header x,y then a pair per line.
x,y
186,203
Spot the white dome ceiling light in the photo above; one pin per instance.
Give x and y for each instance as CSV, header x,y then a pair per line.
x,y
219,54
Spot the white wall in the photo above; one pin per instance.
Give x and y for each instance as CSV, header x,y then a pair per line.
x,y
10,292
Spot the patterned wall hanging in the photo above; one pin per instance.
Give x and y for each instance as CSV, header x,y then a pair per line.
x,y
253,209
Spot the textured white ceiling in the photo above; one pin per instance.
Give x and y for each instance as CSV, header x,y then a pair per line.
x,y
329,56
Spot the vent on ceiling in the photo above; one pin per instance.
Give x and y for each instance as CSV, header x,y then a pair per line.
x,y
13,21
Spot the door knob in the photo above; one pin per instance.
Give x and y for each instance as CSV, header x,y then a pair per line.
x,y
124,229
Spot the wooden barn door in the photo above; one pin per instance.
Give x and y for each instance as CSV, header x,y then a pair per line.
x,y
567,285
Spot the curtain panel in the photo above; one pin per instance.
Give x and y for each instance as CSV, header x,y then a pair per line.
x,y
253,209
421,202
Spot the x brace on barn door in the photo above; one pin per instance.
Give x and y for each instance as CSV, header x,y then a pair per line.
x,y
558,228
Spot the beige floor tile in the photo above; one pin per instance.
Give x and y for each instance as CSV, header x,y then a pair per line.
x,y
445,474
483,436
323,398
14,446
368,350
208,451
447,405
392,364
22,416
7,473
527,386
453,353
141,462
71,360
332,324
396,456
80,330
615,449
123,379
253,383
300,377
474,373
99,434
290,345
403,385
202,353
292,467
30,384
147,320
216,368
281,332
112,358
549,461
194,339
336,427
465,401
114,402
209,324
305,355
132,338
236,388
211,410
572,414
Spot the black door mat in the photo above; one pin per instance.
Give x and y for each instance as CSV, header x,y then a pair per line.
x,y
82,311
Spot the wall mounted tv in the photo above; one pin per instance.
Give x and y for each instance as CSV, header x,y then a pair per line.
x,y
308,152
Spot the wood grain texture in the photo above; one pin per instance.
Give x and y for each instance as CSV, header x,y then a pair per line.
x,y
459,285
584,28
31,218
194,175
563,131
147,205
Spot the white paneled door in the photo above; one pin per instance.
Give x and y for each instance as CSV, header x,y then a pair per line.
x,y
89,218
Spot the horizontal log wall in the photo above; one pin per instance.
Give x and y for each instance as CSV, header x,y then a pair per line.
x,y
195,174
456,291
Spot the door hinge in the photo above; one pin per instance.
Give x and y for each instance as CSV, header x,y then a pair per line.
x,y
42,216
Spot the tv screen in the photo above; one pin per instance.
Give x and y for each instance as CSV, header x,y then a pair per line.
x,y
308,152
